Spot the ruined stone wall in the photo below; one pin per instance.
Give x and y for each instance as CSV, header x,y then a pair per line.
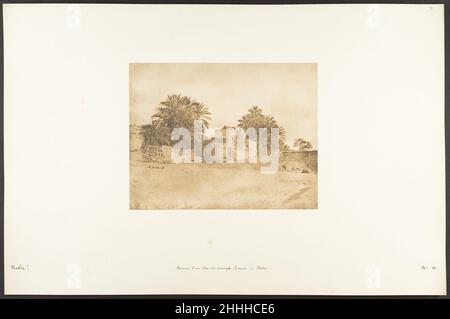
x,y
159,154
152,153
135,138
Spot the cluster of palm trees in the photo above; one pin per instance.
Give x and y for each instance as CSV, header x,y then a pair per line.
x,y
257,119
175,111
181,111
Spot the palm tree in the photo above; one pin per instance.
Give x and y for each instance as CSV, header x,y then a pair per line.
x,y
169,114
285,148
153,134
302,144
269,121
178,111
200,112
253,118
282,133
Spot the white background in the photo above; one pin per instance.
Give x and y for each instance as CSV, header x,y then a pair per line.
x,y
381,152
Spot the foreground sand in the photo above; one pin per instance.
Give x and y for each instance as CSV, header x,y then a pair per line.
x,y
203,186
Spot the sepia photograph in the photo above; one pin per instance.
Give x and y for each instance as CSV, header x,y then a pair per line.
x,y
223,136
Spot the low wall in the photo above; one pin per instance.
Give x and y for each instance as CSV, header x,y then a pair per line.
x,y
163,154
309,158
160,154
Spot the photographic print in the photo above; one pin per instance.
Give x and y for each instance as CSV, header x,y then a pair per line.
x,y
160,150
223,136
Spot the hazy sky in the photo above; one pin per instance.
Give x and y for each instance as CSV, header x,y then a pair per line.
x,y
288,92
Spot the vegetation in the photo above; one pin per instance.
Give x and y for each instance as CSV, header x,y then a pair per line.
x,y
175,111
154,135
302,144
181,111
257,119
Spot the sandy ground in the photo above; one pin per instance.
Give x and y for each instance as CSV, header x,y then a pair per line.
x,y
204,186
